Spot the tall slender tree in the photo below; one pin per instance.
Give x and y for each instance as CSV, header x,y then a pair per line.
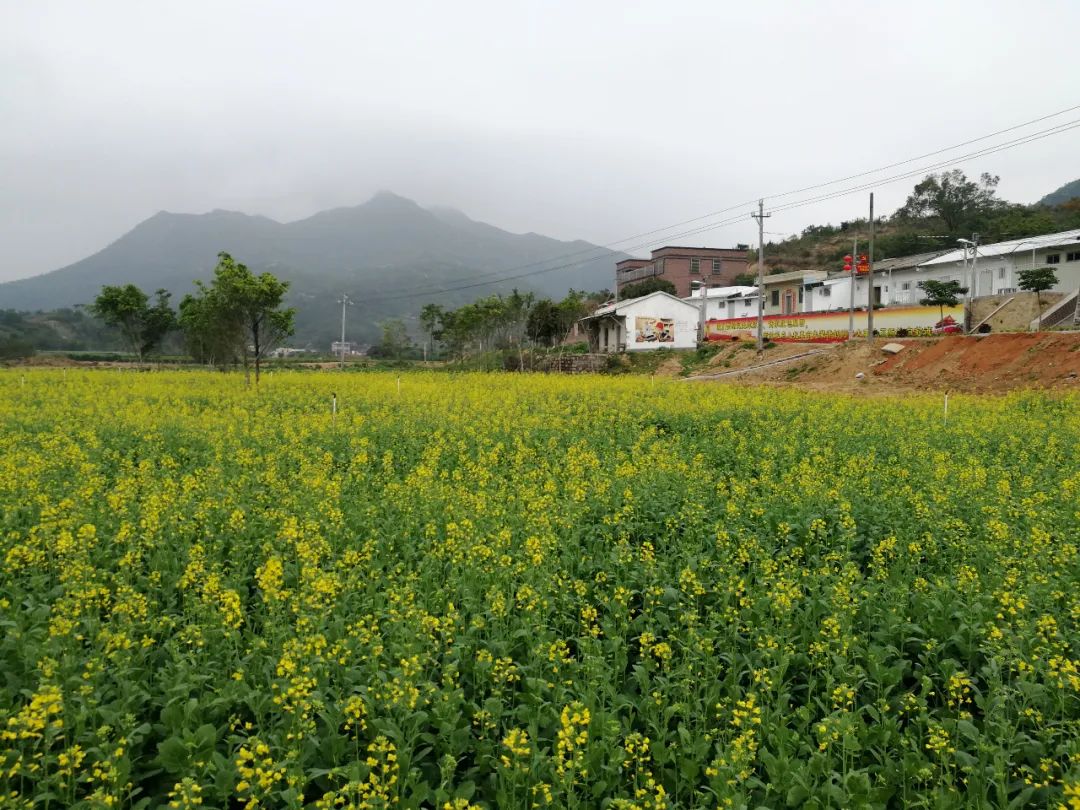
x,y
1038,280
239,314
142,324
941,294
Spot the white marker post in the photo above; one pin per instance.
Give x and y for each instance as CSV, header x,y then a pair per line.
x,y
946,407
333,409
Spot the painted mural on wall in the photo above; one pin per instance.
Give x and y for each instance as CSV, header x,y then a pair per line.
x,y
654,330
833,326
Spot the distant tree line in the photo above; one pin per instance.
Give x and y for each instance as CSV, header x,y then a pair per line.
x,y
24,333
492,323
236,319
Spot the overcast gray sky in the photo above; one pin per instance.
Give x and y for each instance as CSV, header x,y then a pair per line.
x,y
592,120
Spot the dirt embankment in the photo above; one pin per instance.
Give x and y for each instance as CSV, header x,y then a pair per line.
x,y
995,362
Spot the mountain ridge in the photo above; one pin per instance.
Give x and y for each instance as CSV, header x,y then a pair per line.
x,y
388,247
1063,194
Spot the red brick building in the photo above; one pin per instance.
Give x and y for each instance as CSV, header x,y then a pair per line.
x,y
717,267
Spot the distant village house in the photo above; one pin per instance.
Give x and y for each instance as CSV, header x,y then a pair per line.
x,y
683,265
654,321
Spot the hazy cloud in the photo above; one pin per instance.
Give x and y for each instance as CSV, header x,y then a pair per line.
x,y
577,120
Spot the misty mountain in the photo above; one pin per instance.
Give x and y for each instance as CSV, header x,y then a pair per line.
x,y
1063,194
389,254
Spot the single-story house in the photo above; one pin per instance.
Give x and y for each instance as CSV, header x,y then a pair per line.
x,y
994,269
722,303
792,293
654,321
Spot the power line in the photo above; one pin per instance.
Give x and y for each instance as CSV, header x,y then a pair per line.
x,y
610,246
928,154
1055,130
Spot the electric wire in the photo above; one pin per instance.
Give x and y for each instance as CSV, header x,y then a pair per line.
x,y
608,249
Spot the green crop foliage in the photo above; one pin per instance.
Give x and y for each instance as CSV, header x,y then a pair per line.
x,y
513,591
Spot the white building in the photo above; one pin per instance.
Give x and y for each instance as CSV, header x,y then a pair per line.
x,y
995,270
654,321
348,347
722,303
894,284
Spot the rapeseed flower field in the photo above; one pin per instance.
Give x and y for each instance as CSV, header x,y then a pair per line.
x,y
496,591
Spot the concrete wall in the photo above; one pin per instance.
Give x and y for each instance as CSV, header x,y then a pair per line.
x,y
1016,316
720,309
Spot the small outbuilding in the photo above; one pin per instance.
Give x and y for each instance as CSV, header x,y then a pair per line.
x,y
654,321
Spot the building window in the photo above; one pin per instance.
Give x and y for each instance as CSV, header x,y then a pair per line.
x,y
800,295
1053,258
1001,272
776,298
718,265
906,285
695,265
659,267
1073,257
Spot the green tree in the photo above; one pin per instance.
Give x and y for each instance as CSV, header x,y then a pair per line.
x,y
941,294
15,348
745,280
238,315
208,337
431,317
649,285
1038,280
958,202
544,325
395,338
142,324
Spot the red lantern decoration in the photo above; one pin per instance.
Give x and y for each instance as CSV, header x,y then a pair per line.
x,y
847,264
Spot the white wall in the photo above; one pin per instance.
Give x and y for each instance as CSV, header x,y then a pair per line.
x,y
816,299
994,275
686,318
610,335
721,309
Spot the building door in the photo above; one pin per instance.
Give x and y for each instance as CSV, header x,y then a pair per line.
x,y
986,282
877,295
789,302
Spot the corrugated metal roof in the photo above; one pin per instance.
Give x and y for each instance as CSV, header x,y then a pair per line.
x,y
608,309
901,262
1048,240
723,292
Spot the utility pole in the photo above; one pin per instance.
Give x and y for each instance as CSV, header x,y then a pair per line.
x,y
760,217
870,280
344,303
974,263
851,289
964,274
704,302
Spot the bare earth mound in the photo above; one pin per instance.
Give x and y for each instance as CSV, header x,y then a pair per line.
x,y
996,362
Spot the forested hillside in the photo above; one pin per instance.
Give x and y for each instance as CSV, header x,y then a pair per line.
x,y
940,209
